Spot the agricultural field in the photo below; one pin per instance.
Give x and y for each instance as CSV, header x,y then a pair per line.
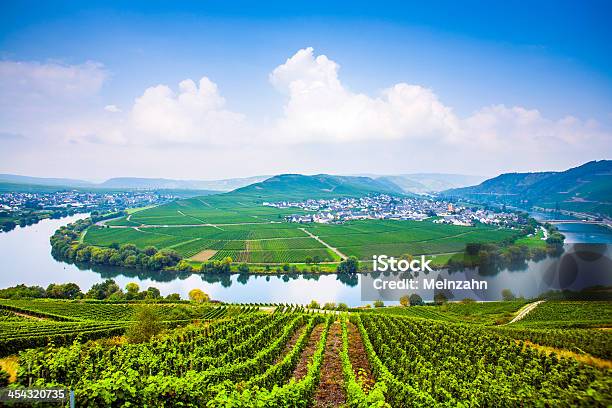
x,y
36,323
485,313
290,358
569,314
231,225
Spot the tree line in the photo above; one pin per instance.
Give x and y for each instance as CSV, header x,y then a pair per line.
x,y
106,290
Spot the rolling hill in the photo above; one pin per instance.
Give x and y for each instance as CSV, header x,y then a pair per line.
x,y
586,188
297,186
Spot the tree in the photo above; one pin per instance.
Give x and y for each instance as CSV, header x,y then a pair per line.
x,y
314,305
440,298
152,293
343,307
150,251
198,296
507,295
405,300
379,303
132,290
64,291
103,290
147,325
22,291
350,265
329,306
173,296
415,300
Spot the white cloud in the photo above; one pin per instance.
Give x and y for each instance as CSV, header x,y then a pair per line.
x,y
112,108
320,108
50,80
194,114
324,126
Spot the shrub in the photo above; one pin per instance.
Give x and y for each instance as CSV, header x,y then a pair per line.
x,y
147,325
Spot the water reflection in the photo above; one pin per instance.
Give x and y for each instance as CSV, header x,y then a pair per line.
x,y
25,255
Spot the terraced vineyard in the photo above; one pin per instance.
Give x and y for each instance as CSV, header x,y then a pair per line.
x,y
487,313
565,314
298,359
36,323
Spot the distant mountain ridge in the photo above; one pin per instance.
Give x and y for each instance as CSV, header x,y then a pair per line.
x,y
44,181
134,183
162,183
586,188
427,183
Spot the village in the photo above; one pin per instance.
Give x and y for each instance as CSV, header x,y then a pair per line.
x,y
14,201
386,207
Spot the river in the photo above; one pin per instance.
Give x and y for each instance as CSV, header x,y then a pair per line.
x,y
25,257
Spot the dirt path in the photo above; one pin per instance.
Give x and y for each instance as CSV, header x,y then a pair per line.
x,y
290,344
359,359
525,311
27,316
302,367
330,392
335,250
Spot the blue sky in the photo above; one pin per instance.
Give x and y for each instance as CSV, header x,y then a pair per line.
x,y
553,57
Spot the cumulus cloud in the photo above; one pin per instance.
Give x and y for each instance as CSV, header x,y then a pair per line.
x,y
320,108
322,118
194,114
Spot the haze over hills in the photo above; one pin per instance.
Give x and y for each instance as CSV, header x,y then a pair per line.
x,y
298,186
162,183
130,183
586,188
44,181
426,183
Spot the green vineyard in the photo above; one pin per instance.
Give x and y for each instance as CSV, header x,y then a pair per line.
x,y
287,356
219,226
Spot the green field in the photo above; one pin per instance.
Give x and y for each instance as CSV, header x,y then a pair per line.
x,y
239,226
290,358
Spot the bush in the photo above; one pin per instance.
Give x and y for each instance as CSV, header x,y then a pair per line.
x,y
342,307
147,325
507,295
379,303
314,305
